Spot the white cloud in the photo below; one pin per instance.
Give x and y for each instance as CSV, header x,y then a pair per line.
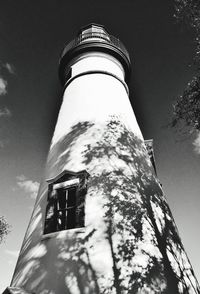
x,y
28,186
9,67
3,285
3,85
5,112
14,253
196,143
21,178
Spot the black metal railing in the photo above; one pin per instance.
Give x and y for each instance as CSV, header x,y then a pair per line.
x,y
96,37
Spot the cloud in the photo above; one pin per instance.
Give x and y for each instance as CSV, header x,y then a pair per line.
x,y
5,112
3,86
14,253
28,186
3,83
12,256
10,68
196,144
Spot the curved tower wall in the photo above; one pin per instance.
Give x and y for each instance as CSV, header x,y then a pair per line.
x,y
96,92
122,224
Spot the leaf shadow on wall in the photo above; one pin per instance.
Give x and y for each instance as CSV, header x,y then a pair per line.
x,y
146,252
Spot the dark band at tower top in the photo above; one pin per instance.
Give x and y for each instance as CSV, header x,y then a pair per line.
x,y
94,37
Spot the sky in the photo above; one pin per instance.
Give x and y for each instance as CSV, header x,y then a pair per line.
x,y
32,35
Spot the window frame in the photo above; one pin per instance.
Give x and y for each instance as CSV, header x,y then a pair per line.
x,y
65,181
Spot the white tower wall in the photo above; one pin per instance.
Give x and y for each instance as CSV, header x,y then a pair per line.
x,y
93,97
121,244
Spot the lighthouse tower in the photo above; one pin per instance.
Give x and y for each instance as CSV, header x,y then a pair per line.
x,y
101,223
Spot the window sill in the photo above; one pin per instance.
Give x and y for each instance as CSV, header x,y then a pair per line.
x,y
63,233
